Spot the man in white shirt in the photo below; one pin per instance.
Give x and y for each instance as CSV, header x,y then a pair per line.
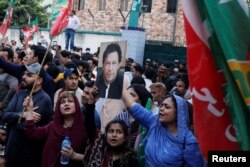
x,y
74,23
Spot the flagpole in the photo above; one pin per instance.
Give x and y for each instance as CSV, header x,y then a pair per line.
x,y
33,87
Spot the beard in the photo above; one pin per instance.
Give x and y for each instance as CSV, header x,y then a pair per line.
x,y
25,85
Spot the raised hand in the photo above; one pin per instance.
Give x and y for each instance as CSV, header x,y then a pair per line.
x,y
89,95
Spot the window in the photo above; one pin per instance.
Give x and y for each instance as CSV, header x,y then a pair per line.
x,y
124,5
146,6
81,4
102,4
171,6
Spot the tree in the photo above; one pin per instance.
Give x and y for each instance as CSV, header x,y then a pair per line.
x,y
24,9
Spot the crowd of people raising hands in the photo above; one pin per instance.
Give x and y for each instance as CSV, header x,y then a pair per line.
x,y
151,125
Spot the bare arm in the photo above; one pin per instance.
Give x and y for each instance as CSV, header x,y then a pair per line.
x,y
127,99
59,56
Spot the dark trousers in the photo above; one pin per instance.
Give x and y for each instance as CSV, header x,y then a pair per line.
x,y
70,35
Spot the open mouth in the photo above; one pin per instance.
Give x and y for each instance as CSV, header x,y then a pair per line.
x,y
113,140
161,115
67,109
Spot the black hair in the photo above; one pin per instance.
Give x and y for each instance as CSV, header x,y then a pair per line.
x,y
138,80
150,73
40,51
113,47
10,52
184,79
123,125
95,62
65,53
84,65
142,92
138,68
172,98
89,84
74,57
70,64
53,70
20,54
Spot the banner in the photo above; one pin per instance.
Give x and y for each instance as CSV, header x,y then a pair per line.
x,y
31,29
213,126
7,20
60,16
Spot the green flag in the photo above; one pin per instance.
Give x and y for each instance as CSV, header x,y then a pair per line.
x,y
135,13
228,25
30,30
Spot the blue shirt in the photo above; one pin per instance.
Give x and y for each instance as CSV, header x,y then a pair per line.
x,y
20,150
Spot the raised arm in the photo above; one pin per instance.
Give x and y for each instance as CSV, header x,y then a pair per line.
x,y
89,99
143,116
127,99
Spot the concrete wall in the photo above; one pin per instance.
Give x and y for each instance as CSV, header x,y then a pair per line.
x,y
91,40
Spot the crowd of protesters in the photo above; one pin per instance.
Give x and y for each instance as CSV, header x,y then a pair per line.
x,y
45,98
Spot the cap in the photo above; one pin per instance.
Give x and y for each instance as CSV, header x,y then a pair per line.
x,y
148,60
69,71
33,68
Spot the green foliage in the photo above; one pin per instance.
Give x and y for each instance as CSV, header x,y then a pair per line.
x,y
21,8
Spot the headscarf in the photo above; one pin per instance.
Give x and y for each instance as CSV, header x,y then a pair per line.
x,y
76,133
167,149
182,118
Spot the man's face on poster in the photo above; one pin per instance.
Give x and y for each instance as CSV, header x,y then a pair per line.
x,y
111,66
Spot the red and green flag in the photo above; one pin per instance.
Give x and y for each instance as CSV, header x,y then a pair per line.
x,y
7,20
218,46
30,30
60,16
229,24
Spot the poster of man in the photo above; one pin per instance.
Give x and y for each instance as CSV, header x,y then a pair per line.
x,y
110,70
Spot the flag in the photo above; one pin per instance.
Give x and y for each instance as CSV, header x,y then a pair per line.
x,y
212,86
31,29
60,16
7,20
228,22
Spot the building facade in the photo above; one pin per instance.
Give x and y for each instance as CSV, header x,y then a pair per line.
x,y
162,19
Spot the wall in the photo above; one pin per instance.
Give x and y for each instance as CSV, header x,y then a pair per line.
x,y
159,25
83,39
